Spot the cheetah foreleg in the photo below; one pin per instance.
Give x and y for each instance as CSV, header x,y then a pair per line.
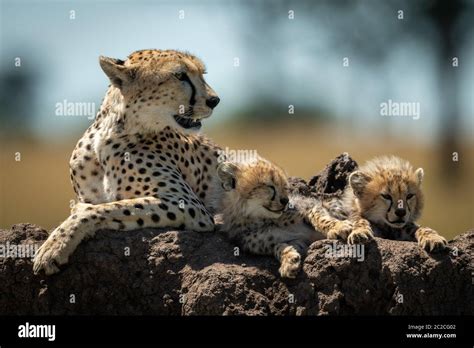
x,y
361,231
329,226
430,240
290,259
124,215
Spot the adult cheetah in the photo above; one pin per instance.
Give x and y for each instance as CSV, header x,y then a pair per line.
x,y
141,163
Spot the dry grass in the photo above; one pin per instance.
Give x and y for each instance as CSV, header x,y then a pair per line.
x,y
37,188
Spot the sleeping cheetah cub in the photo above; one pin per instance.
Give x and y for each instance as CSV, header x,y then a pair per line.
x,y
386,191
262,218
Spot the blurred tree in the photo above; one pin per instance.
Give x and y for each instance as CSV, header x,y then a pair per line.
x,y
367,29
445,15
17,98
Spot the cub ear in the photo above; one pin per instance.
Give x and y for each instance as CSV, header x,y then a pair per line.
x,y
358,181
419,173
226,172
117,72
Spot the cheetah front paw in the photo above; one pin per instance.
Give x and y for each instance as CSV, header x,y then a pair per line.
x,y
430,240
50,255
341,230
360,236
290,263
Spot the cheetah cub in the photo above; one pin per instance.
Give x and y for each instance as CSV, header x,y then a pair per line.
x,y
386,191
259,215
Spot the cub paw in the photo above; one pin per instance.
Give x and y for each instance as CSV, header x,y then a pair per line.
x,y
341,230
290,263
360,236
430,240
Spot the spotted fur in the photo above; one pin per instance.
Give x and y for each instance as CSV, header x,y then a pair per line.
x,y
141,163
386,196
259,215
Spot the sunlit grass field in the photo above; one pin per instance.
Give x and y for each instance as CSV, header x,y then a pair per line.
x,y
37,188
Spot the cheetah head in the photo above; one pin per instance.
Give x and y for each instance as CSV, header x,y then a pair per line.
x,y
388,191
160,89
258,189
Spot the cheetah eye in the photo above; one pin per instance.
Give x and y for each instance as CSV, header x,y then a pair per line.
x,y
386,196
410,195
272,188
181,76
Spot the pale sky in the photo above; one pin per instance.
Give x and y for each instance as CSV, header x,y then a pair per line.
x,y
66,53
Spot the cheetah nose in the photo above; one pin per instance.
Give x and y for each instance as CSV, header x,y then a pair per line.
x,y
212,102
284,200
400,212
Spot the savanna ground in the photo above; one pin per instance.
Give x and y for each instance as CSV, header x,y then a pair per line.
x,y
37,188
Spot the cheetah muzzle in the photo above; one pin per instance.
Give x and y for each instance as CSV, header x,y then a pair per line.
x,y
187,122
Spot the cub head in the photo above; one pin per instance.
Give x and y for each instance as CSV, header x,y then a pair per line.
x,y
160,89
258,189
388,191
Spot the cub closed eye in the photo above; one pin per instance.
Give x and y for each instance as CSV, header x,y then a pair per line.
x,y
272,188
410,195
386,196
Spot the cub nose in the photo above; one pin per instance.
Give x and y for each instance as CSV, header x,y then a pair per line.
x,y
284,200
400,212
212,102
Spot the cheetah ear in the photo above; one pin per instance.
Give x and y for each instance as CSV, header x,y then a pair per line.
x,y
117,72
419,173
226,172
358,180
